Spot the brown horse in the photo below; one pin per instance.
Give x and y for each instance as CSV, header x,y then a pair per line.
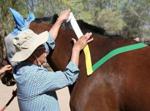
x,y
121,84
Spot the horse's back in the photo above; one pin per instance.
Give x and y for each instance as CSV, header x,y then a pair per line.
x,y
121,84
136,71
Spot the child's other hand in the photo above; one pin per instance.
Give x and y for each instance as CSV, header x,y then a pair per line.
x,y
5,68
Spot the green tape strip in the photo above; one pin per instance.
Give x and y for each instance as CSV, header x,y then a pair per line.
x,y
117,51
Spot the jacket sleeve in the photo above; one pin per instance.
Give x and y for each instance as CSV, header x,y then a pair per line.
x,y
49,81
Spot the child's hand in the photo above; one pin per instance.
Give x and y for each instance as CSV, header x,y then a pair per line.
x,y
64,15
5,68
82,42
79,45
137,39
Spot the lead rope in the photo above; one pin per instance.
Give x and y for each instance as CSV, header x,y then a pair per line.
x,y
86,50
14,93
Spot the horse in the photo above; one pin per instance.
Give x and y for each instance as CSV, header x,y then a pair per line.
x,y
121,84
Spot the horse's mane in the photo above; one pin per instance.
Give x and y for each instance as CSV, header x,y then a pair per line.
x,y
51,19
85,27
47,22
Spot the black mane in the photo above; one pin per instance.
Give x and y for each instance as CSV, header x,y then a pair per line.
x,y
51,19
85,27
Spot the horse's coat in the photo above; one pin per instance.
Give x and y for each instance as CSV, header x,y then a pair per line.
x,y
121,84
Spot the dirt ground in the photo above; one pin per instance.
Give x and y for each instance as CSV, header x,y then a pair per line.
x,y
6,93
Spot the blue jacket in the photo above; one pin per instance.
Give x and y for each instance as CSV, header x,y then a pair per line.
x,y
36,85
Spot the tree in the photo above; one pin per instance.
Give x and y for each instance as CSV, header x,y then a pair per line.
x,y
111,21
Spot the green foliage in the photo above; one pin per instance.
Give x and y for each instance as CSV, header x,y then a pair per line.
x,y
111,21
130,17
6,17
136,15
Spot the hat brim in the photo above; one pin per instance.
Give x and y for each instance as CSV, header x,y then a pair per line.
x,y
26,53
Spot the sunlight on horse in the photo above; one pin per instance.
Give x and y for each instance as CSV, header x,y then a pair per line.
x,y
121,84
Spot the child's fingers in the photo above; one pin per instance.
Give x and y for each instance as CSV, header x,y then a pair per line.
x,y
8,67
89,40
74,40
88,35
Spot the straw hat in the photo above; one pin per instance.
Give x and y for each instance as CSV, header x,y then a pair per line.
x,y
26,42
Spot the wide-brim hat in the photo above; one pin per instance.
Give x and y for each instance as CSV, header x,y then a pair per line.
x,y
26,43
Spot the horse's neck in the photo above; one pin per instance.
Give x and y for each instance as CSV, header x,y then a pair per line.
x,y
98,48
60,57
40,27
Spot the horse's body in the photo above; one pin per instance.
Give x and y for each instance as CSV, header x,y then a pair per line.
x,y
121,84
